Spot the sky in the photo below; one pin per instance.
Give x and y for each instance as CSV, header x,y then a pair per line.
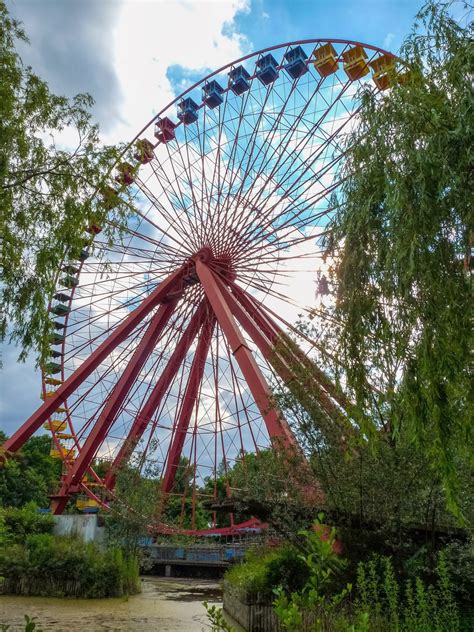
x,y
135,56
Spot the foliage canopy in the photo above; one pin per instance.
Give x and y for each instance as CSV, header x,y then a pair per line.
x,y
51,166
401,242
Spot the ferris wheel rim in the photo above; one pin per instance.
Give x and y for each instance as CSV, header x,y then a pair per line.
x,y
376,49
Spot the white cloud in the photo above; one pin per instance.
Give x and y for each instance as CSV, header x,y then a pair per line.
x,y
388,39
150,37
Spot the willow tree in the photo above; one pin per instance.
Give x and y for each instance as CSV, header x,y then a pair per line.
x,y
51,165
401,245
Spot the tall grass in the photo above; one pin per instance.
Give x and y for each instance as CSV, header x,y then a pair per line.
x,y
58,566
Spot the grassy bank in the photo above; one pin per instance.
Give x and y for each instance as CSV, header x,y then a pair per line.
x,y
35,562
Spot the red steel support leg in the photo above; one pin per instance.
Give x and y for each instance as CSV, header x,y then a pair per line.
x,y
250,326
151,405
188,403
107,417
292,351
285,359
277,427
171,283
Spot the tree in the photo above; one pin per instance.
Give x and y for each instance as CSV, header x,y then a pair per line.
x,y
47,192
137,501
401,244
31,475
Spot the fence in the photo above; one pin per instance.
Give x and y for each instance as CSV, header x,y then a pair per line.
x,y
254,611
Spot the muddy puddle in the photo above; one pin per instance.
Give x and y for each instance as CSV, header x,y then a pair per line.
x,y
165,605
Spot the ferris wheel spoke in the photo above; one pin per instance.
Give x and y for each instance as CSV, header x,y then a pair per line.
x,y
288,157
171,221
276,239
180,197
273,149
220,428
231,156
266,215
119,306
185,183
189,167
204,208
237,392
88,340
265,160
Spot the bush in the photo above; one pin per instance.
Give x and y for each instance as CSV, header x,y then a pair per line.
x,y
288,570
264,568
58,566
18,523
251,576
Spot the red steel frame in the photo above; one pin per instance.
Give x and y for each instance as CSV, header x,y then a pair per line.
x,y
276,425
99,432
151,405
187,404
225,304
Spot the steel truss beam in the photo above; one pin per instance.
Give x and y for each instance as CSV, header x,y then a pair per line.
x,y
292,355
187,404
277,427
172,282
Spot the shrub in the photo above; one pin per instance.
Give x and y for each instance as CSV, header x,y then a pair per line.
x,y
264,568
60,566
22,522
287,570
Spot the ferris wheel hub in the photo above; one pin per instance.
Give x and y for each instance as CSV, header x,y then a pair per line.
x,y
204,255
221,264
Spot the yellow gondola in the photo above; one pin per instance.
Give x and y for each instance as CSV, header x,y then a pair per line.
x,y
64,435
383,68
355,62
325,59
48,394
53,381
84,504
55,425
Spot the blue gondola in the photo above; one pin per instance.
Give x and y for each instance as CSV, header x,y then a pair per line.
x,y
239,80
267,69
212,94
296,62
188,111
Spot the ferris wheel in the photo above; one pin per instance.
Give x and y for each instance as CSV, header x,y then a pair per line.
x,y
164,340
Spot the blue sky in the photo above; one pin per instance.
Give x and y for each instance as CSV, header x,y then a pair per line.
x,y
378,22
134,56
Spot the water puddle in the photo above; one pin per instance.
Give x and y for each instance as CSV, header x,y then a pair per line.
x,y
165,605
